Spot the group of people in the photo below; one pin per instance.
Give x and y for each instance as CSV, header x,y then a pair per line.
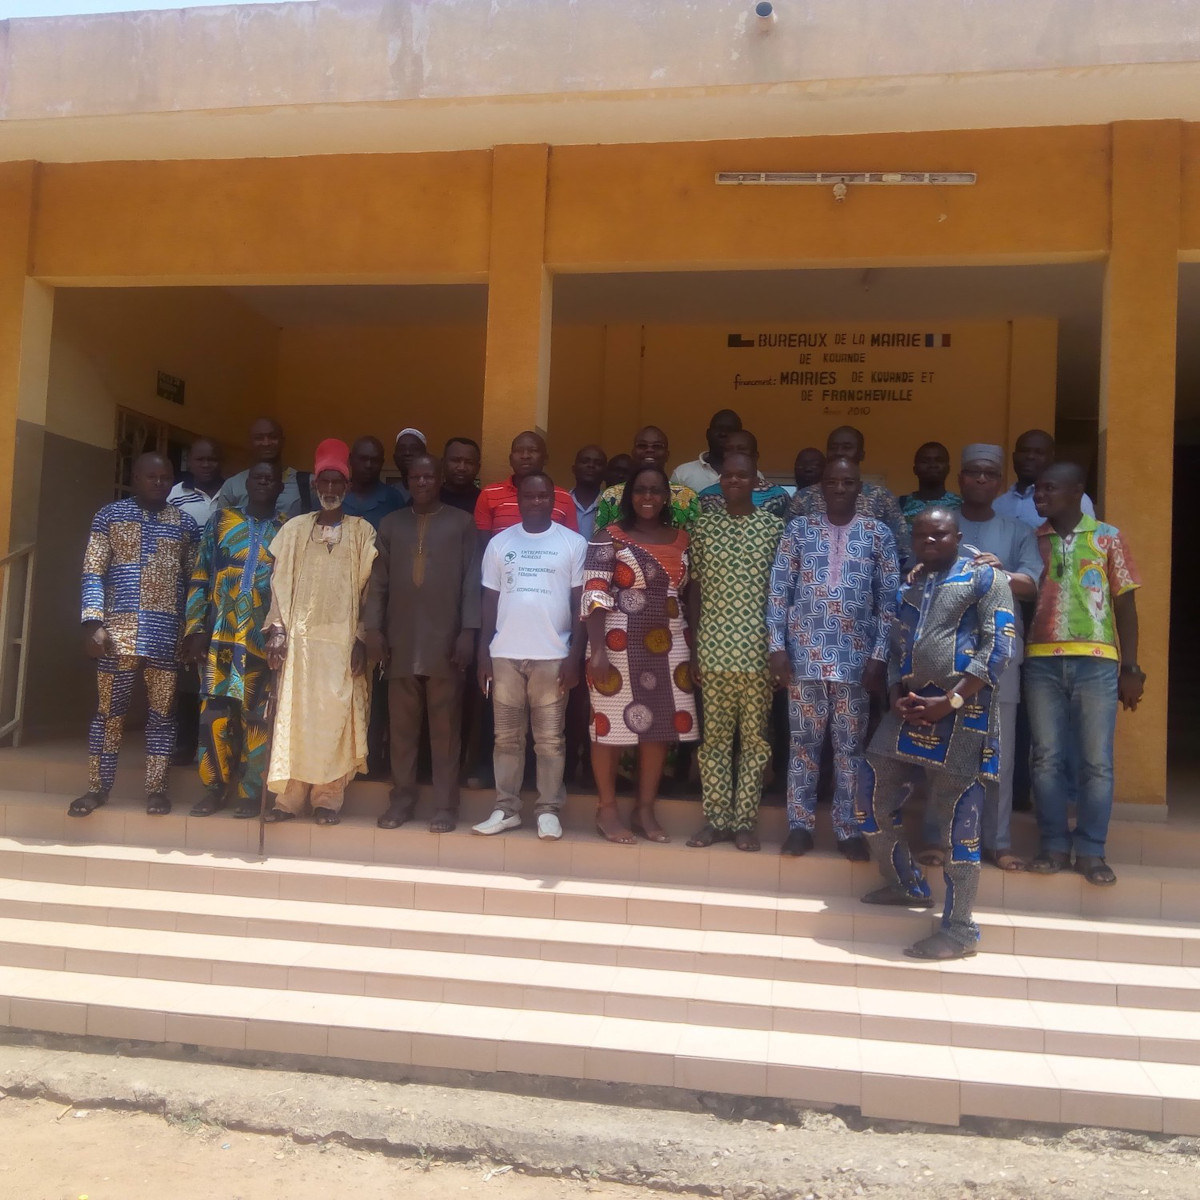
x,y
330,616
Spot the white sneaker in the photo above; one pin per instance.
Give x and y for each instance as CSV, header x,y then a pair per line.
x,y
497,823
549,827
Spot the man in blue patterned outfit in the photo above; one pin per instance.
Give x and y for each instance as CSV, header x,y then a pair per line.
x,y
829,617
135,575
952,639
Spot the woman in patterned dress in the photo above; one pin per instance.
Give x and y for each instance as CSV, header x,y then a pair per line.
x,y
639,673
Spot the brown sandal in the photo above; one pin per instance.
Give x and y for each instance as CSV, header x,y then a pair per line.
x,y
620,836
1006,860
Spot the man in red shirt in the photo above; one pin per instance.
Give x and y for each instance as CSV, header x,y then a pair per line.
x,y
496,508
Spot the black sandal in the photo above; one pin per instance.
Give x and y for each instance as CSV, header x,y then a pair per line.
x,y
897,898
706,835
941,947
247,809
747,840
392,817
276,816
1049,862
326,816
87,804
157,805
206,806
445,820
1095,870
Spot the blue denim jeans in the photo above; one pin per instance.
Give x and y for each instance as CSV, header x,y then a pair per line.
x,y
1073,714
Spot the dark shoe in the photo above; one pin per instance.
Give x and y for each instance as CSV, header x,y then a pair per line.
x,y
87,804
157,805
1049,862
797,842
1095,870
897,898
855,849
276,816
1023,803
941,947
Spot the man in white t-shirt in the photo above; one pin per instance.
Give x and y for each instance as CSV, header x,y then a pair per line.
x,y
531,646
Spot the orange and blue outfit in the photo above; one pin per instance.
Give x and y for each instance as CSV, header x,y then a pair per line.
x,y
135,572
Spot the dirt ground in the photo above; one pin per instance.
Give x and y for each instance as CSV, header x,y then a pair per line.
x,y
56,1152
102,1155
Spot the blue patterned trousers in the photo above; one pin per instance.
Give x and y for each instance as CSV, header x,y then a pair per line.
x,y
815,705
956,802
114,685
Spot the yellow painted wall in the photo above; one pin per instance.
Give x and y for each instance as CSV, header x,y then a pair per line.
x,y
346,381
383,218
1042,194
959,393
109,345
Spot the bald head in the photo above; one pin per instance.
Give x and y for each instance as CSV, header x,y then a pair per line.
x,y
846,442
266,440
650,447
1058,495
366,463
935,537
841,483
1032,454
528,454
151,479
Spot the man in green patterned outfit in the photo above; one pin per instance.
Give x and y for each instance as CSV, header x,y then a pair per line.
x,y
732,550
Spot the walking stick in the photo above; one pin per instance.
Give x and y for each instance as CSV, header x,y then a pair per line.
x,y
269,721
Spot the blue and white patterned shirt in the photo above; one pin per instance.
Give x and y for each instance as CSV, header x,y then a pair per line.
x,y
833,597
136,570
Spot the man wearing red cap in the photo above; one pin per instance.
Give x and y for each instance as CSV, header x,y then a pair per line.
x,y
314,641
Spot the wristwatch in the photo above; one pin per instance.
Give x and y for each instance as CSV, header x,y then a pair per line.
x,y
1133,669
955,700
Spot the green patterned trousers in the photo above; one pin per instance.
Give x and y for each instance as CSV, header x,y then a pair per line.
x,y
734,702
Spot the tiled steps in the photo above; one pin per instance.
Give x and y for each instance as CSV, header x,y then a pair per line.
x,y
353,898
59,770
733,989
913,1010
884,1078
1144,892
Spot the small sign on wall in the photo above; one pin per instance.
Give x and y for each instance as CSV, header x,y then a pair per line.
x,y
170,387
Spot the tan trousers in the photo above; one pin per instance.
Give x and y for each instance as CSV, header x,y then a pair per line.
x,y
323,795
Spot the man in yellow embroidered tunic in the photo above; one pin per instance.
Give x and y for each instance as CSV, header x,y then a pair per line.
x,y
314,638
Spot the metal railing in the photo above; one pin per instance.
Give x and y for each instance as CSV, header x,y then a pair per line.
x,y
14,630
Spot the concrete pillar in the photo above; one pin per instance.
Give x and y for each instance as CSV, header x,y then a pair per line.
x,y
516,381
1137,420
25,316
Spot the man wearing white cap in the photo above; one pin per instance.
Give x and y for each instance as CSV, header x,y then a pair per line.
x,y
1005,544
410,443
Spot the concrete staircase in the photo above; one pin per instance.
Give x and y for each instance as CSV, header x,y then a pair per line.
x,y
708,970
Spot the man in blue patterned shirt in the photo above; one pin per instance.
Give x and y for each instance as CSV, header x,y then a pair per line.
x,y
829,616
952,639
135,575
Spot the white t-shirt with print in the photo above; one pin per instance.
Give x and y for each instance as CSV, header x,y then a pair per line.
x,y
534,574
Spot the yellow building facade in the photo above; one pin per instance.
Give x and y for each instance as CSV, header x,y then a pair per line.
x,y
485,289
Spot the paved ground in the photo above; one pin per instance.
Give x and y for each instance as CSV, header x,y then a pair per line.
x,y
114,1128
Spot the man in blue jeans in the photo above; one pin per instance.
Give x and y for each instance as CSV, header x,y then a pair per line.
x,y
1080,659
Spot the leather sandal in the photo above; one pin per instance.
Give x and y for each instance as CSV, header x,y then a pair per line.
x,y
1095,870
941,947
